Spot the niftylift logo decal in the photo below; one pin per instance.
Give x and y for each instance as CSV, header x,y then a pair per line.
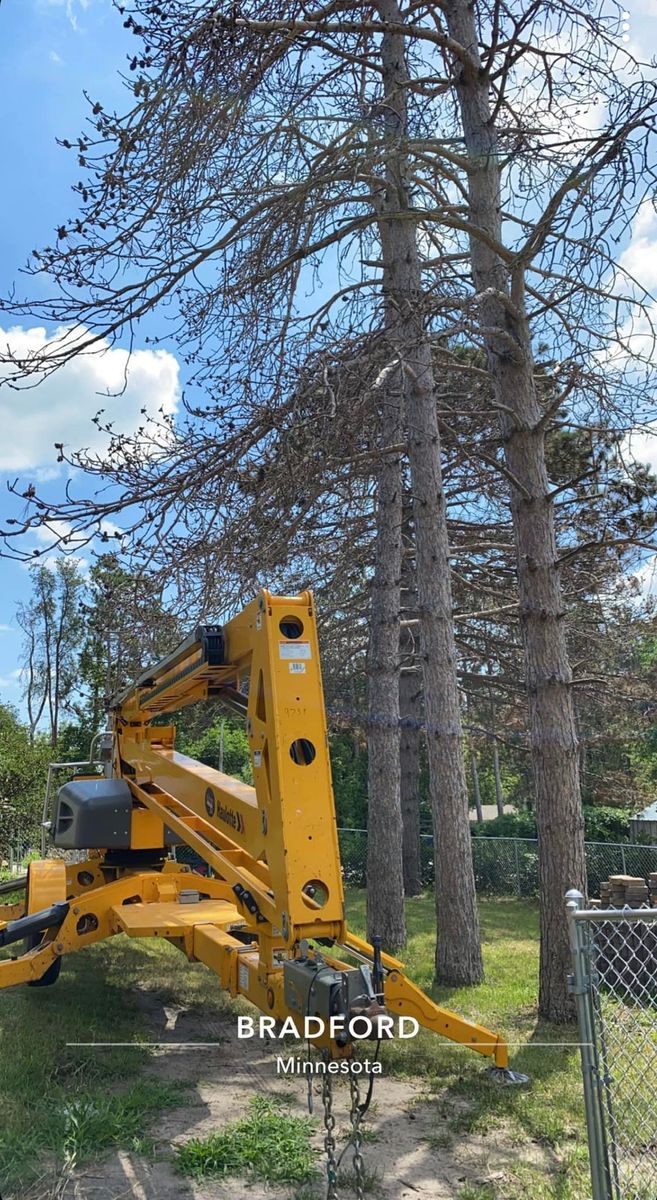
x,y
232,818
209,802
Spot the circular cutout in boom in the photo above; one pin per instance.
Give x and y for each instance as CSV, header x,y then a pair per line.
x,y
302,752
291,627
315,893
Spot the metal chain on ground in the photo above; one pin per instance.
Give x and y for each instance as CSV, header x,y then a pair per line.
x,y
356,1116
329,1136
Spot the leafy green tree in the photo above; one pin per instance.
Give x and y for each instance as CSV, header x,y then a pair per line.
x,y
223,745
125,628
52,626
23,766
349,767
600,825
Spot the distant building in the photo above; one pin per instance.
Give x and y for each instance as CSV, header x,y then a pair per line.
x,y
644,824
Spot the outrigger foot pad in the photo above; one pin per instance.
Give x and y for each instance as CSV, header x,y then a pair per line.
x,y
506,1077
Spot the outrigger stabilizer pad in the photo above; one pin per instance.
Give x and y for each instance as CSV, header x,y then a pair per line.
x,y
505,1077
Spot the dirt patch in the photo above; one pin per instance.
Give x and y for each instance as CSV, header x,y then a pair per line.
x,y
409,1145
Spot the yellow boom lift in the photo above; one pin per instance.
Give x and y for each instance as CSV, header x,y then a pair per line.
x,y
270,920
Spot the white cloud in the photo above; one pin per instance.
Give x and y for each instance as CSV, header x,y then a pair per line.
x,y
642,447
646,577
45,534
110,528
61,536
58,539
45,474
639,258
70,7
638,334
55,58
12,680
571,116
50,559
646,8
638,337
61,407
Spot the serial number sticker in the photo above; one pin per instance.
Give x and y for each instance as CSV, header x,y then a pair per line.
x,y
294,650
243,975
297,668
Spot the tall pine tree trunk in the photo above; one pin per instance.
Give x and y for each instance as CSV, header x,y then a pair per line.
x,y
458,951
476,790
385,884
499,791
410,696
505,327
410,705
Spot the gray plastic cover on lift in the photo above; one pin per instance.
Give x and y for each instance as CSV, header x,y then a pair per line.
x,y
92,813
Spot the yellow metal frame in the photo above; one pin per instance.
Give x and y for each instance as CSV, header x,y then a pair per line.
x,y
273,848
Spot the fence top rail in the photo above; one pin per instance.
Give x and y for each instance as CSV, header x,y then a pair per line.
x,y
623,845
634,915
533,841
528,841
483,837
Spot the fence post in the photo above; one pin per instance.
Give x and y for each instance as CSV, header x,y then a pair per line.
x,y
624,865
579,986
518,889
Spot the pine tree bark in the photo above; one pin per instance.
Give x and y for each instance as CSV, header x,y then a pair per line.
x,y
458,950
499,791
474,767
505,328
410,706
385,883
410,696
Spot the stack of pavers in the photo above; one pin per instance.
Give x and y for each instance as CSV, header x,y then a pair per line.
x,y
627,951
627,891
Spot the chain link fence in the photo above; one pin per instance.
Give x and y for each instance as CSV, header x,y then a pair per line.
x,y
13,859
506,866
614,983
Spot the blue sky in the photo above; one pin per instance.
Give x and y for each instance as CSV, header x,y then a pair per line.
x,y
50,50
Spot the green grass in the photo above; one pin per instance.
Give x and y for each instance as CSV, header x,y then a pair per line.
x,y
60,1103
11,897
268,1144
370,1180
549,1113
368,1136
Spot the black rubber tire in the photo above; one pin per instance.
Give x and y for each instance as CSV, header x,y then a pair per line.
x,y
52,974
